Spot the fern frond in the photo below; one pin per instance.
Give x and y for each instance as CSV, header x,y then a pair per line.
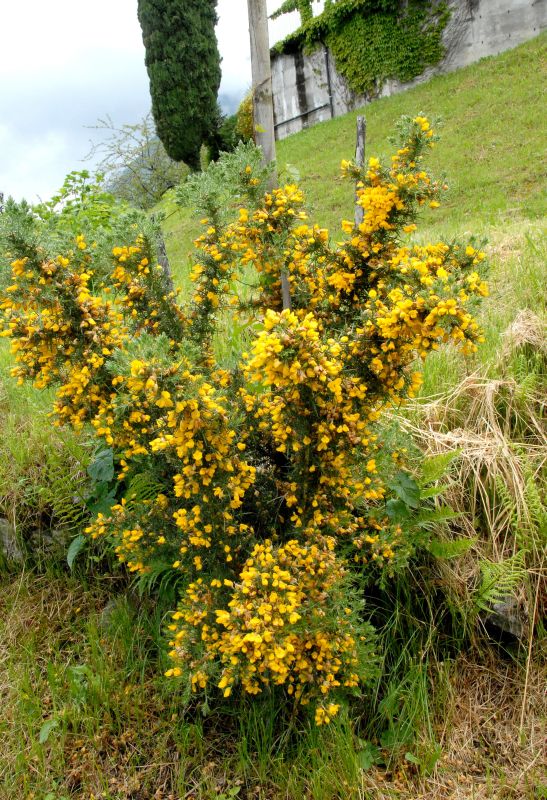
x,y
436,467
143,489
499,580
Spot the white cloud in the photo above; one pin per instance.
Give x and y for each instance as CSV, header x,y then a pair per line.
x,y
33,162
65,63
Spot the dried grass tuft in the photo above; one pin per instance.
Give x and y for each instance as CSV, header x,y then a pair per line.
x,y
501,439
527,331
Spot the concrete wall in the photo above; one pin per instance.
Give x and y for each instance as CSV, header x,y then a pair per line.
x,y
476,28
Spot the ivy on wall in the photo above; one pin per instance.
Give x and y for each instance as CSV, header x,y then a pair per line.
x,y
373,40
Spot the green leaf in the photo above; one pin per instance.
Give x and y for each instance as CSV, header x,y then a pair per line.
x,y
76,547
46,729
293,173
406,488
260,129
435,467
103,502
102,467
412,758
368,756
397,511
445,548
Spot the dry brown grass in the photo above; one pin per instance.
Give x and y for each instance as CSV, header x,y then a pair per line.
x,y
500,435
486,753
493,731
527,331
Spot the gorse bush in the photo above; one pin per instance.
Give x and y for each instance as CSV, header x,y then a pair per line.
x,y
81,208
264,487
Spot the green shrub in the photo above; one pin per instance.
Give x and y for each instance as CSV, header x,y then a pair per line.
x,y
264,489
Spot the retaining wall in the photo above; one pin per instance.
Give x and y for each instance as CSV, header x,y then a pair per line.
x,y
308,89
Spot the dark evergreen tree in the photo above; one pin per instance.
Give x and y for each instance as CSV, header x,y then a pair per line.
x,y
183,65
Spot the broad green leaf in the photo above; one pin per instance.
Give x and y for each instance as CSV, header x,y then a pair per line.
x,y
102,467
46,729
76,547
104,502
368,756
397,511
406,488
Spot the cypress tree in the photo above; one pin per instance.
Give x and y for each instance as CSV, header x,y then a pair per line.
x,y
183,65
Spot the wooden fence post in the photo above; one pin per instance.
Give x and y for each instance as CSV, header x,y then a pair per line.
x,y
360,160
263,102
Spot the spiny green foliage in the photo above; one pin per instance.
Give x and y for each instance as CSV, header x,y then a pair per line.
x,y
342,354
81,206
183,66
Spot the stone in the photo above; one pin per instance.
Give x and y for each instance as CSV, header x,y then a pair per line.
x,y
508,617
52,543
9,546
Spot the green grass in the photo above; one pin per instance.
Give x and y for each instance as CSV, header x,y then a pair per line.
x,y
492,141
518,258
88,713
42,467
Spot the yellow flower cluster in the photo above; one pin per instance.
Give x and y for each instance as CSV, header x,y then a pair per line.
x,y
60,331
173,416
147,299
212,475
315,413
140,530
211,275
281,627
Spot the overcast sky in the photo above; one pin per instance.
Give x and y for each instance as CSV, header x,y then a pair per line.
x,y
66,63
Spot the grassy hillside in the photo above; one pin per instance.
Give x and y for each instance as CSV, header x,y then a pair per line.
x,y
491,150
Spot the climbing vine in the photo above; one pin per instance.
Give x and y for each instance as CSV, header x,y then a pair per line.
x,y
303,7
375,40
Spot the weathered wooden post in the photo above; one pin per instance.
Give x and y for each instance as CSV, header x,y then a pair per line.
x,y
161,251
360,160
262,81
263,101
